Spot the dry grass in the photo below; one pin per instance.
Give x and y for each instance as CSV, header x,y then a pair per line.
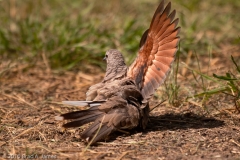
x,y
30,100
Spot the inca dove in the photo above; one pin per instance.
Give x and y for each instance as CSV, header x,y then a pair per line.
x,y
120,101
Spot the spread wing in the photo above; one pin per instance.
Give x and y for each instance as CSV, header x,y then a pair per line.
x,y
158,46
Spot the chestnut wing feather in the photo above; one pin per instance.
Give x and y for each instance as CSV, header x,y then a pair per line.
x,y
157,51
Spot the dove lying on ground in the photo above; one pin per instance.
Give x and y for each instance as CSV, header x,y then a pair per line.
x,y
121,101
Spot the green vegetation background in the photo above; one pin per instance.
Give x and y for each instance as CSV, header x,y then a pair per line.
x,y
68,34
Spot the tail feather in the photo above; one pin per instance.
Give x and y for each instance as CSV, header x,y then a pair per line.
x,y
82,121
81,117
78,114
107,118
76,103
83,103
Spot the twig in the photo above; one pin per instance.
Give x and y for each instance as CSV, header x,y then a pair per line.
x,y
235,142
157,105
100,126
236,105
25,131
46,62
194,103
20,99
123,154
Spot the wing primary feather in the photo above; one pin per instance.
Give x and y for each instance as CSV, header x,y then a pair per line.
x,y
166,53
149,86
163,67
103,133
164,60
171,44
167,31
145,90
162,75
175,22
167,9
89,131
158,11
173,34
170,38
163,30
172,15
161,23
154,81
148,90
153,78
155,75
143,39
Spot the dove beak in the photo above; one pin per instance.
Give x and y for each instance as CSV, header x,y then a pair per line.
x,y
104,59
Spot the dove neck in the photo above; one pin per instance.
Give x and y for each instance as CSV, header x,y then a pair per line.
x,y
115,70
115,64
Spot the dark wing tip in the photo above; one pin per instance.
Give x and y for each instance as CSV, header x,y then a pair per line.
x,y
178,30
167,8
172,15
143,39
175,22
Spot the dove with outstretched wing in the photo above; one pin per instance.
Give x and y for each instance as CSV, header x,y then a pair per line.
x,y
121,101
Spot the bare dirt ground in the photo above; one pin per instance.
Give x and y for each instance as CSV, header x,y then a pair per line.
x,y
30,98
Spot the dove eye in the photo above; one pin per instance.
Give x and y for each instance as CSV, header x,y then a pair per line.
x,y
106,56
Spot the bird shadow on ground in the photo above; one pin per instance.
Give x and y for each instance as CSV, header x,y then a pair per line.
x,y
182,122
174,121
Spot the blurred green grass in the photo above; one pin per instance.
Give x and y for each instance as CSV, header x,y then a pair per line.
x,y
70,33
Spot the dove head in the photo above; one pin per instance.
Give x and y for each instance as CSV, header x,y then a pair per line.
x,y
116,66
114,58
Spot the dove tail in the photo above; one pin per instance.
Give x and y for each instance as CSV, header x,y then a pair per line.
x,y
97,131
81,117
107,117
